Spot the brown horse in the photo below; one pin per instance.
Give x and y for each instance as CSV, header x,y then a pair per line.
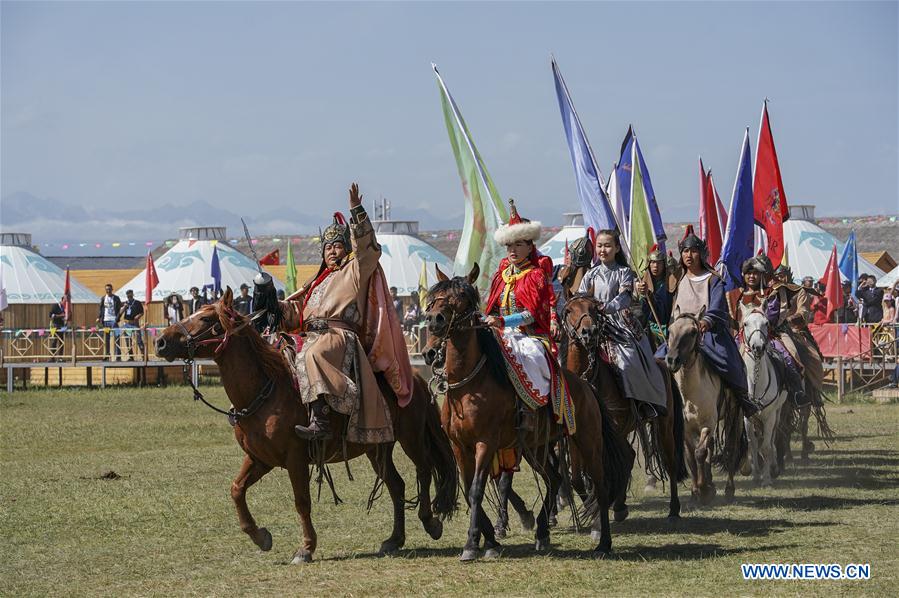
x,y
663,448
267,406
480,410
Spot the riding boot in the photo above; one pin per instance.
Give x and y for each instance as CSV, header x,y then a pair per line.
x,y
647,411
746,403
319,427
796,388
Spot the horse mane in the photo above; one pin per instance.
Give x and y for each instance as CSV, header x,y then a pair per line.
x,y
496,361
271,360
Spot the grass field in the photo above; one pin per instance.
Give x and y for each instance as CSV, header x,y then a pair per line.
x,y
167,525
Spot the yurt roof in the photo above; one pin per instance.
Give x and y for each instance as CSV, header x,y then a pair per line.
x,y
29,277
809,247
402,255
189,264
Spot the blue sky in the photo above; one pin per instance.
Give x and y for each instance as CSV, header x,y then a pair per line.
x,y
254,106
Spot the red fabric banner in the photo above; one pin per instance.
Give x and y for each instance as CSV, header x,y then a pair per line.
x,y
833,290
152,279
272,258
841,340
768,196
709,226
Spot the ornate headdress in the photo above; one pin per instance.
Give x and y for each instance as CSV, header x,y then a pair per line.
x,y
784,269
691,241
339,230
517,229
759,263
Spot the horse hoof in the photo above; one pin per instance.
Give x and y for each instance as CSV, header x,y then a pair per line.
x,y
621,515
552,521
301,557
263,539
469,555
499,532
728,495
808,446
542,544
527,521
491,554
390,546
434,527
746,468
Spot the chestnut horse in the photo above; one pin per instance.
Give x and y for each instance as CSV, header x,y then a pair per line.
x,y
584,325
480,411
267,406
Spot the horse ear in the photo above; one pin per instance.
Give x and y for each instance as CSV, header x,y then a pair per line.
x,y
440,275
228,297
473,275
701,313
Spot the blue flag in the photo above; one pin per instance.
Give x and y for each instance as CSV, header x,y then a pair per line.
x,y
849,263
594,203
216,271
623,177
739,239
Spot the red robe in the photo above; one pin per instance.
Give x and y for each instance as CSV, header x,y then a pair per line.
x,y
533,292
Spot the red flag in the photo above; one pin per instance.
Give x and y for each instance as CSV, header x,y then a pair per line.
x,y
709,227
768,196
833,290
271,259
722,213
152,280
67,297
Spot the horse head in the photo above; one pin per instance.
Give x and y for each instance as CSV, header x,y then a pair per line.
x,y
683,340
204,333
755,331
452,304
580,260
583,320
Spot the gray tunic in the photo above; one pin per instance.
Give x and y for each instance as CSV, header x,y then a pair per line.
x,y
641,377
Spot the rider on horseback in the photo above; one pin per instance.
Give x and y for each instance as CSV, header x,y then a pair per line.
x,y
334,370
611,282
657,288
757,271
521,307
701,290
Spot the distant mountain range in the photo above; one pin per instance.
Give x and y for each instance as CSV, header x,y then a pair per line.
x,y
54,221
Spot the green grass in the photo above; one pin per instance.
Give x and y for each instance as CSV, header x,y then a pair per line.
x,y
167,526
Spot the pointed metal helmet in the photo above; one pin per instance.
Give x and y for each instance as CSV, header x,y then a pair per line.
x,y
339,230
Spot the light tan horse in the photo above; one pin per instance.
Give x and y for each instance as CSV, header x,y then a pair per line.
x,y
706,403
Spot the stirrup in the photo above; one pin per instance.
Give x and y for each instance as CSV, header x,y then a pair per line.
x,y
312,432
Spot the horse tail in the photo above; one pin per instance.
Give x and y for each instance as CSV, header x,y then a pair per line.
x,y
731,440
616,466
443,465
678,405
824,430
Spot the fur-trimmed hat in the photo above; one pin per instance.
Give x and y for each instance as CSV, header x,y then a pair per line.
x,y
339,230
759,263
517,229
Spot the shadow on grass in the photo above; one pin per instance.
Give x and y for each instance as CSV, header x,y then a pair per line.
x,y
816,503
682,551
697,522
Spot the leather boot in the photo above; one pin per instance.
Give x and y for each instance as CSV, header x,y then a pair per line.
x,y
746,403
319,427
647,411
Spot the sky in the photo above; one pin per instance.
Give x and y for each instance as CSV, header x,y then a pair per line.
x,y
266,106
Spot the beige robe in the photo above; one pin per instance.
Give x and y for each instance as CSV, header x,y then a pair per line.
x,y
332,363
795,301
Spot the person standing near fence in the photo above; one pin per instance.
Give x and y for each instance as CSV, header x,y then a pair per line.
x,y
108,317
132,311
58,324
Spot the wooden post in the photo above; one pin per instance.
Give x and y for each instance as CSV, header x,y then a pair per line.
x,y
839,378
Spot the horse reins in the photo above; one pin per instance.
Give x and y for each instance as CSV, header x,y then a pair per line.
x,y
439,381
195,342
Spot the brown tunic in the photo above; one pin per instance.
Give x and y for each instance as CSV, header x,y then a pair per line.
x,y
332,363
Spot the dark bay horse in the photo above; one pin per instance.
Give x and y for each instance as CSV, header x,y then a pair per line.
x,y
480,412
261,389
584,326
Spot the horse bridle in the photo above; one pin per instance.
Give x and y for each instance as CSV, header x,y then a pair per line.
x,y
439,384
697,343
591,343
755,360
194,342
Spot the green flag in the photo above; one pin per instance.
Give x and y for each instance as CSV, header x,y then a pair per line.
x,y
641,235
291,270
484,209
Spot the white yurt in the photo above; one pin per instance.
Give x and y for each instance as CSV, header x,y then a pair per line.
x,y
889,279
809,246
403,253
189,264
572,230
30,278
